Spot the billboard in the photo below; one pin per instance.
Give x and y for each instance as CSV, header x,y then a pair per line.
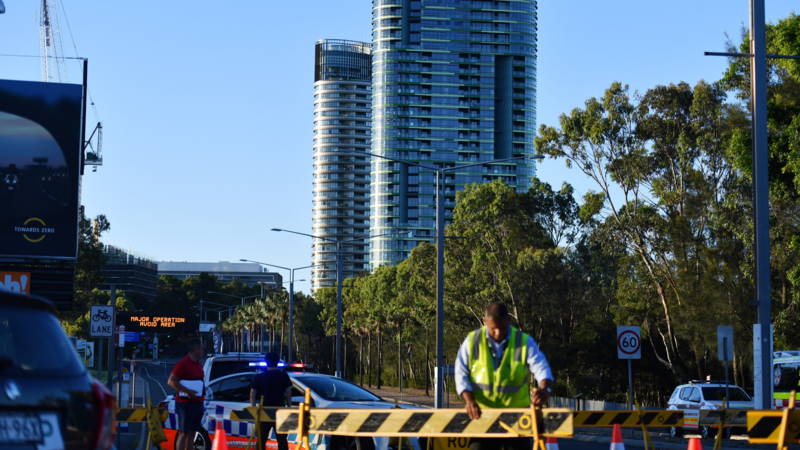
x,y
40,158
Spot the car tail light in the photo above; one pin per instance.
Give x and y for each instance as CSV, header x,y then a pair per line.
x,y
105,405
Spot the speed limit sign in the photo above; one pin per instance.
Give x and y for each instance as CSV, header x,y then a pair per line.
x,y
629,343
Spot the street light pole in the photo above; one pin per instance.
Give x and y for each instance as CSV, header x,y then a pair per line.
x,y
339,371
339,280
291,299
438,383
440,224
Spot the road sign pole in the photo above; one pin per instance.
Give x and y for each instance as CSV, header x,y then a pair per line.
x,y
111,353
630,385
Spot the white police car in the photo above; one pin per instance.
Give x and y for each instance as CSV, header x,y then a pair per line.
x,y
232,392
697,395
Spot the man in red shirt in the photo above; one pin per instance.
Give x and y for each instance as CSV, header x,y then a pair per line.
x,y
187,380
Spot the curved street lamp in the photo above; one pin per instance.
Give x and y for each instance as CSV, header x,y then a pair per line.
x,y
339,372
291,299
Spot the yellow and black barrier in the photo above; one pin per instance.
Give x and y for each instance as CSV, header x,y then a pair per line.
x,y
634,418
154,417
779,427
723,418
428,422
255,414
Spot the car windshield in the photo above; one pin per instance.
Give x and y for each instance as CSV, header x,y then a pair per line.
x,y
32,342
337,390
221,368
735,394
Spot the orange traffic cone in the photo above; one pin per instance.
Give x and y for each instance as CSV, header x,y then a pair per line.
x,y
551,443
695,444
220,439
616,439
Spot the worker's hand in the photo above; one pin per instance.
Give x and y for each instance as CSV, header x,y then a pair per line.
x,y
540,397
473,410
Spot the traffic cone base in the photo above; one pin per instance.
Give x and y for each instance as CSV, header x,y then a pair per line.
x,y
695,444
616,439
220,439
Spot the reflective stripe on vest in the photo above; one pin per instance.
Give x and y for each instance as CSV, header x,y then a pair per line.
x,y
508,384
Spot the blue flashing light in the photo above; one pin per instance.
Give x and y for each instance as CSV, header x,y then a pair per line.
x,y
264,364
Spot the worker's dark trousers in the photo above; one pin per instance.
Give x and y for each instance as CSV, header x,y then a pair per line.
x,y
504,443
283,443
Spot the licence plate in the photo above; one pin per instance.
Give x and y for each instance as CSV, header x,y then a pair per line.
x,y
20,429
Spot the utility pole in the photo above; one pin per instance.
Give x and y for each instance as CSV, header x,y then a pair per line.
x,y
758,74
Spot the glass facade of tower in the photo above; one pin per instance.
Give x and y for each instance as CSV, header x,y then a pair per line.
x,y
454,83
342,120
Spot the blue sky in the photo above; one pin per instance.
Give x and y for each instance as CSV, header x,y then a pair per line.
x,y
207,105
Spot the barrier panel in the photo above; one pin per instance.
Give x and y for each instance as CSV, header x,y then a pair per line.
x,y
779,427
154,417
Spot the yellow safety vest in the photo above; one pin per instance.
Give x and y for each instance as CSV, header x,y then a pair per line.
x,y
506,386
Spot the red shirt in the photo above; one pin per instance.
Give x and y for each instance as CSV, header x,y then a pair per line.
x,y
187,369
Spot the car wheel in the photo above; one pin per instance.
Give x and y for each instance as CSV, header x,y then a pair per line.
x,y
675,432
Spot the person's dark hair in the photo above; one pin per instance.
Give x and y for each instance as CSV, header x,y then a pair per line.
x,y
193,344
497,311
272,359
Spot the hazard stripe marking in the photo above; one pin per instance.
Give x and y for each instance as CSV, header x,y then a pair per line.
x,y
458,423
648,418
373,422
289,424
593,418
506,418
554,421
764,427
137,414
619,419
415,422
673,419
428,422
733,417
332,422
651,418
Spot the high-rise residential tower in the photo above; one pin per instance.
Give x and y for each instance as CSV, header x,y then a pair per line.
x,y
454,83
342,121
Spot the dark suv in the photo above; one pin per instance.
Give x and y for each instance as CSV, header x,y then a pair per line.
x,y
48,400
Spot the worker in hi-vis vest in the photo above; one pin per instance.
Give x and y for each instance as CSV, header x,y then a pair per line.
x,y
493,371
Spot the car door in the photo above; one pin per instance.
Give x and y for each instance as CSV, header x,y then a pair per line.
x,y
227,394
691,410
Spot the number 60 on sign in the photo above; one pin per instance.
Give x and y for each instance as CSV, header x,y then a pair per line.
x,y
629,343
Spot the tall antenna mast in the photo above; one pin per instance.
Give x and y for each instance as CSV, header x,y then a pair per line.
x,y
50,44
45,39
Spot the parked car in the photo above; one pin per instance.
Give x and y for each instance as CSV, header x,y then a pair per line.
x,y
48,399
232,392
697,395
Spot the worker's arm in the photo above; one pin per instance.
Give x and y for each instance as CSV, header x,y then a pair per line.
x,y
538,365
473,409
463,382
175,383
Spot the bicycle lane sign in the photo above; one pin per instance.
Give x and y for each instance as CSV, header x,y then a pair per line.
x,y
629,343
101,321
